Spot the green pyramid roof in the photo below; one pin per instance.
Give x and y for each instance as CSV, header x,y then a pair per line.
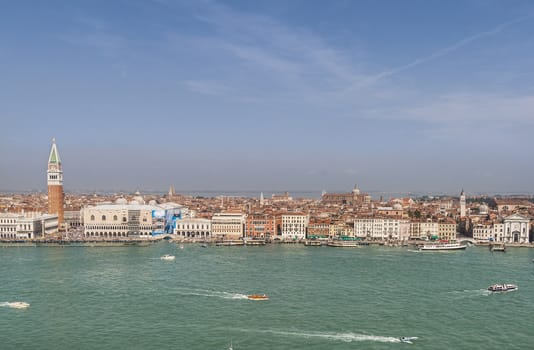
x,y
54,155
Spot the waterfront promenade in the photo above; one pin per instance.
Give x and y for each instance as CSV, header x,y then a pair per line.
x,y
244,242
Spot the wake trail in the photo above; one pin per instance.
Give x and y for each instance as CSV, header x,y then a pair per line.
x,y
212,294
346,337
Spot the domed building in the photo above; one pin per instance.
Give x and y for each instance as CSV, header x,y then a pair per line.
x,y
483,209
139,199
121,201
397,206
353,198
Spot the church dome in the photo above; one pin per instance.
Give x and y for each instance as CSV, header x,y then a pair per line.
x,y
134,203
483,209
121,201
397,206
139,199
152,202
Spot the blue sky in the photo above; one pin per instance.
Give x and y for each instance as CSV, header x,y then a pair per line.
x,y
427,96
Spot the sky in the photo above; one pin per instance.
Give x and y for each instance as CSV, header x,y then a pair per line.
x,y
401,96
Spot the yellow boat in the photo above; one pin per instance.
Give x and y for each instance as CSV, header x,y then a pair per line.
x,y
257,297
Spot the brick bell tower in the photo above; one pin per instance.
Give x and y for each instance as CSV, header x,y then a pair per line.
x,y
55,184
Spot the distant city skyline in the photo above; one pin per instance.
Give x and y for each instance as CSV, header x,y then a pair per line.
x,y
412,96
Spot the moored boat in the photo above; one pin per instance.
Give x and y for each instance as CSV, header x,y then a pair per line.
x,y
502,287
497,247
344,244
257,297
443,246
312,243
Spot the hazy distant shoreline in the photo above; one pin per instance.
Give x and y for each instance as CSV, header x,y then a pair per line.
x,y
268,193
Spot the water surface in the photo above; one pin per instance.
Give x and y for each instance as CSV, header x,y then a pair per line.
x,y
320,298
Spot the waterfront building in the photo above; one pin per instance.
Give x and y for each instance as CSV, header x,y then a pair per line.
x,y
484,232
381,228
516,229
319,228
447,230
293,226
119,220
260,226
340,229
27,226
228,225
424,230
55,184
193,228
511,229
72,219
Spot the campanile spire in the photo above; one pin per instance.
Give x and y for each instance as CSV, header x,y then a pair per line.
x,y
55,184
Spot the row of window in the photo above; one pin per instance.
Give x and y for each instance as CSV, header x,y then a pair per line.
x,y
187,226
115,218
116,227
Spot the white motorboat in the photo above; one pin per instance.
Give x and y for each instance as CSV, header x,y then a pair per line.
x,y
16,304
168,257
502,287
443,246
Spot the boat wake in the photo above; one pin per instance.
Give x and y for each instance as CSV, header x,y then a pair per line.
x,y
15,305
212,294
346,337
470,293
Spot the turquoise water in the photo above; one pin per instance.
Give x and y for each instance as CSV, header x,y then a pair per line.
x,y
320,298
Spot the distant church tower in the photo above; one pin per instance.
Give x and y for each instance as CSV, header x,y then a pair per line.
x,y
462,204
172,191
55,184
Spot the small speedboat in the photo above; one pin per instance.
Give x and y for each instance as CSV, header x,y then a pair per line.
x,y
167,257
408,340
502,287
17,305
257,297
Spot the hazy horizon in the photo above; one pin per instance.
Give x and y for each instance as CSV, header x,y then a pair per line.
x,y
411,96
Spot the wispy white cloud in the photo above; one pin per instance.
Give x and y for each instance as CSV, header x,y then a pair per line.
x,y
289,53
464,116
444,51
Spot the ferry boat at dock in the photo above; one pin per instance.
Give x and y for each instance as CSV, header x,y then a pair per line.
x,y
312,243
497,247
344,244
229,243
442,246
